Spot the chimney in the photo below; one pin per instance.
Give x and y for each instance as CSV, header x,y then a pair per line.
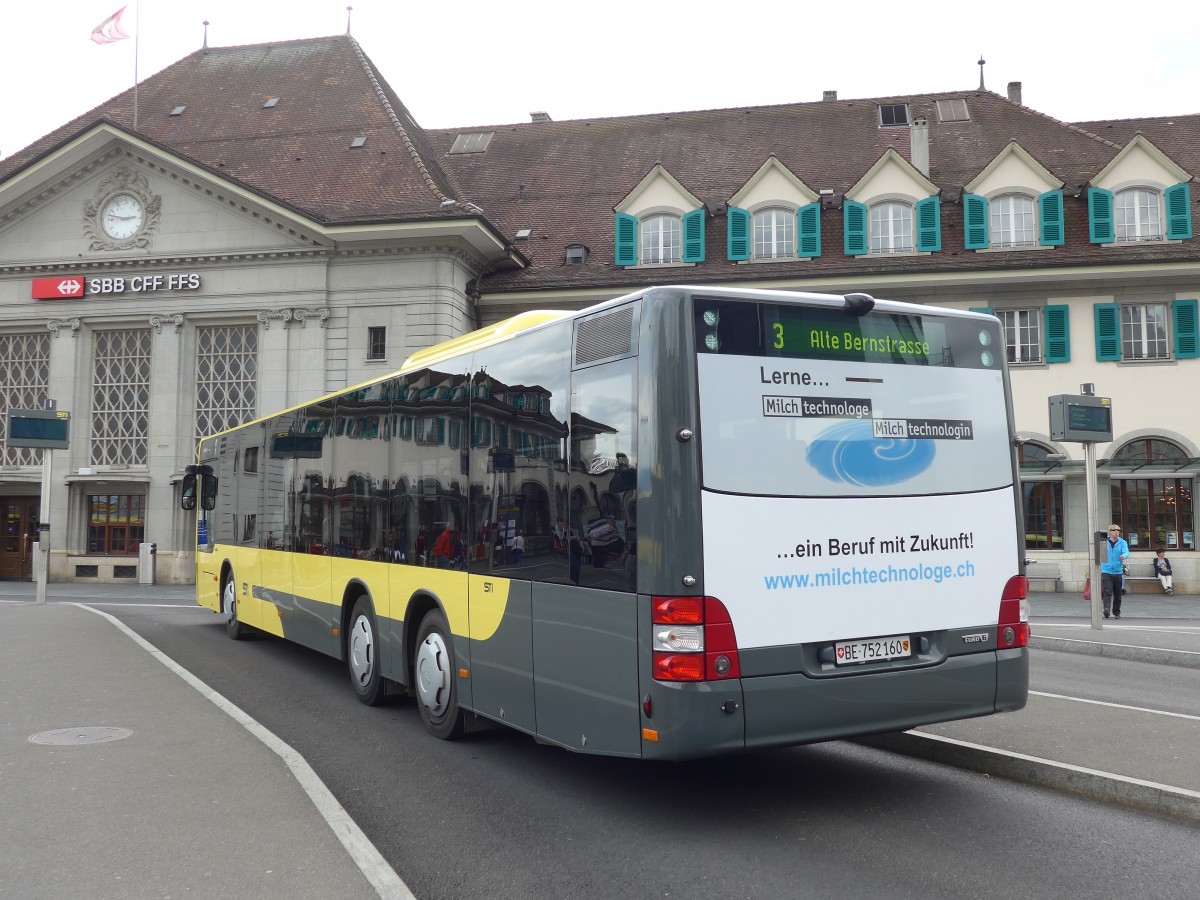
x,y
539,117
1014,92
919,134
827,96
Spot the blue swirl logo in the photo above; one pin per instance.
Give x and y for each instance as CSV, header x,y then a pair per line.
x,y
849,453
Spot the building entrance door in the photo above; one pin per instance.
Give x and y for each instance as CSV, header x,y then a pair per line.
x,y
16,540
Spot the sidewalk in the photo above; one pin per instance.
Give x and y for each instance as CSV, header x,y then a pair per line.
x,y
1110,752
120,779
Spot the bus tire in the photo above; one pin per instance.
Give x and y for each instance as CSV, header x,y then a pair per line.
x,y
234,627
362,654
436,680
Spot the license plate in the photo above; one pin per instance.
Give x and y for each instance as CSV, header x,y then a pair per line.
x,y
897,646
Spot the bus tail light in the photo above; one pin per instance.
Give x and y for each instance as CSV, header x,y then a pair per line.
x,y
1013,628
693,640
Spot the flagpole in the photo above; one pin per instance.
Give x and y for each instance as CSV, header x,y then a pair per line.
x,y
137,36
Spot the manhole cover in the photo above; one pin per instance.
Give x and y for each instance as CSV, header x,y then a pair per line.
x,y
85,734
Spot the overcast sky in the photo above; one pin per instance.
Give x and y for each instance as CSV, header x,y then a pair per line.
x,y
483,62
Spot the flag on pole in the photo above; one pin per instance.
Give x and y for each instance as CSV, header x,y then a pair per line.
x,y
109,30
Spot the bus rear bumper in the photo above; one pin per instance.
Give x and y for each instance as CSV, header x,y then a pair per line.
x,y
796,709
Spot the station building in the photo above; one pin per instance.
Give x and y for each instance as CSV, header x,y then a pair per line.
x,y
266,224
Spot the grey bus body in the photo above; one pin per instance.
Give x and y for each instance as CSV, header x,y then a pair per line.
x,y
587,437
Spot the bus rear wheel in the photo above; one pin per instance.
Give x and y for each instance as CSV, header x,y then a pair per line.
x,y
436,679
362,654
233,626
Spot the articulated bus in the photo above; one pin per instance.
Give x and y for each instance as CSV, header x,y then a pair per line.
x,y
685,522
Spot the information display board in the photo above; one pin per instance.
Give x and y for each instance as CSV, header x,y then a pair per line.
x,y
48,428
1081,418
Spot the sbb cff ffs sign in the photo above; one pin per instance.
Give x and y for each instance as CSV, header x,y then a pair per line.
x,y
68,286
1081,418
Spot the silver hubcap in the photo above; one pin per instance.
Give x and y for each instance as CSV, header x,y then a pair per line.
x,y
362,650
230,602
433,674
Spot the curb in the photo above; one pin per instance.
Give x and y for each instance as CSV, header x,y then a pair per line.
x,y
1186,658
1106,787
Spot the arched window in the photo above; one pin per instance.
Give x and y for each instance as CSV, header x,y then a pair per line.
x,y
662,240
1138,215
1042,492
1011,221
774,234
1152,512
891,229
1149,450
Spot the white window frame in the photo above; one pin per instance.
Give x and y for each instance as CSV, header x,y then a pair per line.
x,y
1138,215
1012,221
1022,335
891,228
774,234
661,240
1144,331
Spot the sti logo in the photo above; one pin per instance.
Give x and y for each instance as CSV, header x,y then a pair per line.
x,y
56,288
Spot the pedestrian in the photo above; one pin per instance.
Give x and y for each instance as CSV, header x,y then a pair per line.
x,y
443,549
575,549
517,548
1112,572
1162,568
458,551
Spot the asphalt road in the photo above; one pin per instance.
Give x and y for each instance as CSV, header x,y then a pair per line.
x,y
497,815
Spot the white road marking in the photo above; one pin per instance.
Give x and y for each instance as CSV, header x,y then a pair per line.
x,y
1157,712
365,855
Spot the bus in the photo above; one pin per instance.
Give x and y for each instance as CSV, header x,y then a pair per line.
x,y
686,522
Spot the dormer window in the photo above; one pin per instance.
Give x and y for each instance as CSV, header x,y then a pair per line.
x,y
1138,216
576,255
774,234
1012,221
891,228
662,240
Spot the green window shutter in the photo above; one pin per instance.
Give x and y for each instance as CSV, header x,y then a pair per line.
x,y
1050,219
1187,341
1179,212
1057,320
854,227
626,229
986,310
739,234
1100,216
975,222
693,236
808,227
1108,332
929,225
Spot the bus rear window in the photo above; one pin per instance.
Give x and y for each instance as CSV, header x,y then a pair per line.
x,y
809,400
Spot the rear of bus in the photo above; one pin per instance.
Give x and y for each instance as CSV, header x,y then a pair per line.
x,y
858,516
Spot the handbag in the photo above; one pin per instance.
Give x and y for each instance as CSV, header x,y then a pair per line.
x,y
1087,590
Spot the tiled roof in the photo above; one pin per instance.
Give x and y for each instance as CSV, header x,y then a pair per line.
x,y
1175,136
298,152
561,180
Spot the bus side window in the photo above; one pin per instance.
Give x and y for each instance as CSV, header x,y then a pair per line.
x,y
603,475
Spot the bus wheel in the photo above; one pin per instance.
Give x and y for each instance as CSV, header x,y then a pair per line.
x,y
362,654
434,676
233,626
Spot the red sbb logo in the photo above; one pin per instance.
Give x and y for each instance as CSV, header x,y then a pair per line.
x,y
57,288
